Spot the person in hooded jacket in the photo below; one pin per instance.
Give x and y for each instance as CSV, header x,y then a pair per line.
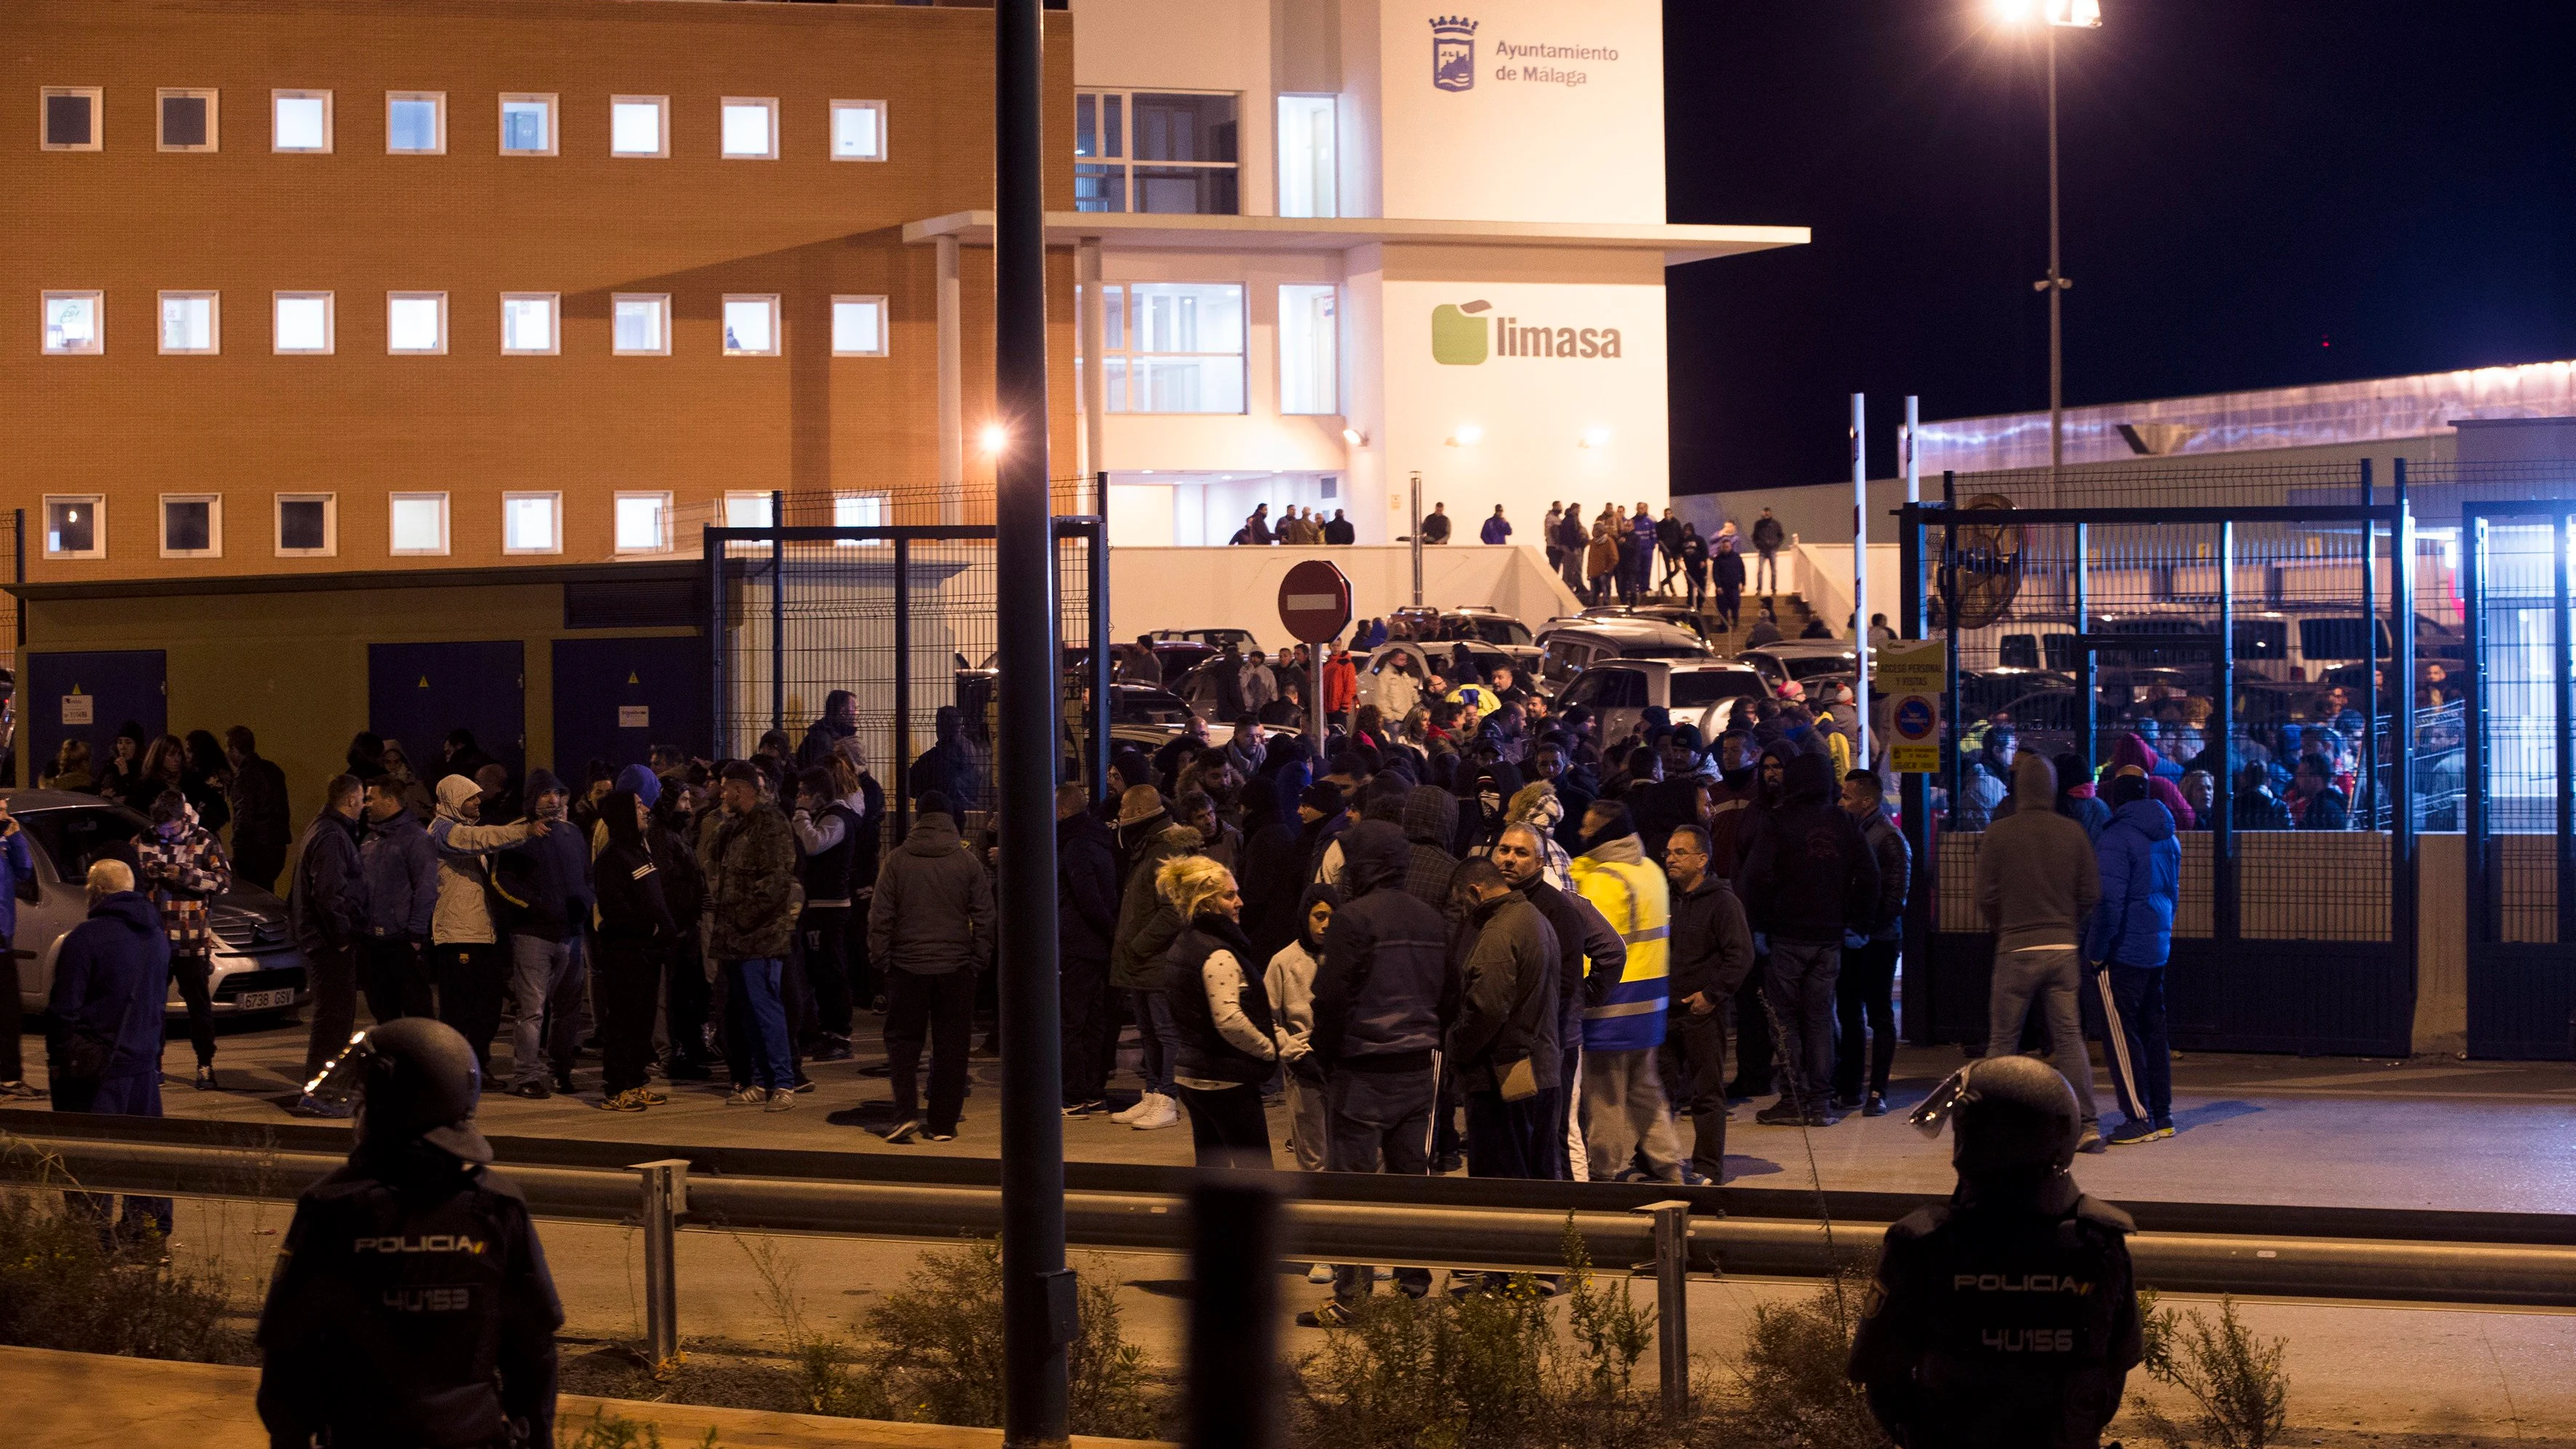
x,y
103,1038
1271,885
1624,1109
1384,995
550,877
1712,956
466,959
1503,1046
628,953
839,721
327,902
2130,937
1221,1012
1864,993
1590,956
1290,981
829,828
401,870
1810,879
184,868
1145,931
1732,837
688,997
2036,882
931,923
1086,923
2077,799
748,856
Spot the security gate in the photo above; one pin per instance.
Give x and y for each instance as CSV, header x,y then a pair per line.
x,y
2521,798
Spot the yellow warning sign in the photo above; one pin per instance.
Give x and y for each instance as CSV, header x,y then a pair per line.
x,y
424,681
631,679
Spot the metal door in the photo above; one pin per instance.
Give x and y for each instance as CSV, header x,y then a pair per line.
x,y
416,693
2519,799
90,696
616,698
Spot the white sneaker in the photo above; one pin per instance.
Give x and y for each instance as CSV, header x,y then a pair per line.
x,y
1130,1113
1163,1113
1320,1273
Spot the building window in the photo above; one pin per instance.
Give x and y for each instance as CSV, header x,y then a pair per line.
x,y
858,326
308,525
1174,347
643,523
750,128
639,126
188,120
528,324
1307,156
419,523
747,510
75,323
1155,151
751,326
531,523
641,324
71,118
527,125
860,510
75,525
416,123
416,322
192,525
191,322
858,131
1309,350
301,120
303,322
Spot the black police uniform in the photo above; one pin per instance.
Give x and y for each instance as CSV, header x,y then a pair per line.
x,y
411,1309
2006,1318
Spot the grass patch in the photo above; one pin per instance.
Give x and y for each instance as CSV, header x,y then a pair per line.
x,y
61,1288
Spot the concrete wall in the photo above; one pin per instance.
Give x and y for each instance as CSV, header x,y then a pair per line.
x,y
2442,945
1238,588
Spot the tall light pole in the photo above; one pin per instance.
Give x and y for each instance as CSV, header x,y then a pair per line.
x,y
2055,15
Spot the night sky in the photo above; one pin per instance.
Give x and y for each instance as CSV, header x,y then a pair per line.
x,y
2257,193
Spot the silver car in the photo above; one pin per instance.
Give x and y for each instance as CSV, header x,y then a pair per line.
x,y
258,967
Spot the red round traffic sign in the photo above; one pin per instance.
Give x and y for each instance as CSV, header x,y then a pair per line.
x,y
1315,602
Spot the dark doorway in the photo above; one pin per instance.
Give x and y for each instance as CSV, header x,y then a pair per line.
x,y
416,693
88,696
615,698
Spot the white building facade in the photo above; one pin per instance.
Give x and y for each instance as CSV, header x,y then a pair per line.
x,y
1330,245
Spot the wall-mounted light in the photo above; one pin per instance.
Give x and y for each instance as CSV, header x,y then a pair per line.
x,y
996,438
1596,438
1467,436
1355,437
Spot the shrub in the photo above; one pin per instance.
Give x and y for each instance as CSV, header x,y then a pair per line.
x,y
2233,1377
61,1288
605,1430
1790,1389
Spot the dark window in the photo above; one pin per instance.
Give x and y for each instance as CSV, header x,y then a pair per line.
x,y
303,523
2062,651
187,527
67,120
71,527
1623,689
2332,638
75,839
183,120
2261,639
1707,686
2018,651
1181,128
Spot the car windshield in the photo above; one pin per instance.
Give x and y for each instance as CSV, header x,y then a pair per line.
x,y
77,837
1821,664
1496,631
1708,686
1662,651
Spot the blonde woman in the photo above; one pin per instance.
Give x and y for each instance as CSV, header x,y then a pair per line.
x,y
1221,1014
71,768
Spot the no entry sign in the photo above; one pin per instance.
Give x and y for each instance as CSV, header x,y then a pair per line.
x,y
1315,602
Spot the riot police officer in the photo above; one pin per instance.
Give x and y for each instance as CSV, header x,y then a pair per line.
x,y
411,1307
2005,1318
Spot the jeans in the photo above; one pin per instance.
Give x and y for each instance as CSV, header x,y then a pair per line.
x,y
1800,985
1378,1122
393,976
1082,988
625,978
941,1010
2049,975
332,974
193,972
546,979
1160,1038
1865,993
133,1095
472,977
1730,605
1766,570
1695,1055
1697,574
1228,1127
2133,1003
1623,1114
826,930
1753,1055
1307,1117
1513,1139
757,984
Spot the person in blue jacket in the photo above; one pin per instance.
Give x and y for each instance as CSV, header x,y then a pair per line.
x,y
2131,934
111,976
16,867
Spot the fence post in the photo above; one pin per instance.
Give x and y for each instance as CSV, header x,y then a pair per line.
x,y
2226,880
1672,1301
666,1195
1914,791
1234,1312
777,609
902,686
2401,673
2370,695
1103,677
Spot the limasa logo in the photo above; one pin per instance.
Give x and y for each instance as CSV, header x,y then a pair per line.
x,y
1460,337
1458,334
1453,53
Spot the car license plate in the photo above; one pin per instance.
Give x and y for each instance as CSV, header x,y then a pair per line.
x,y
264,1000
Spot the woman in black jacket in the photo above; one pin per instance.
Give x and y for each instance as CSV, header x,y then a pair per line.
x,y
634,933
1222,1014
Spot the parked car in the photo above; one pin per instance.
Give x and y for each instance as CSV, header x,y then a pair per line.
x,y
1214,639
258,969
1432,658
1714,694
1474,623
1574,643
1798,660
1680,615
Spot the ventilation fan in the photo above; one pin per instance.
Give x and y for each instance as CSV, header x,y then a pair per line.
x,y
1985,571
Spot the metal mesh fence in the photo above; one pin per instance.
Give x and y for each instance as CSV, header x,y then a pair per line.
x,y
2148,485
2518,627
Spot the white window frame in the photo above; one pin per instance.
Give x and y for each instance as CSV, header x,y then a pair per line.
x,y
554,324
756,499
329,123
661,523
661,303
1125,160
97,525
777,325
554,122
438,124
768,103
1279,330
440,349
97,343
552,500
214,323
885,313
214,116
1122,395
445,525
661,126
330,524
1280,143
214,525
97,118
847,509
832,137
330,324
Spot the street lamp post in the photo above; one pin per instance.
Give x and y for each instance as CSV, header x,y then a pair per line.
x,y
2055,15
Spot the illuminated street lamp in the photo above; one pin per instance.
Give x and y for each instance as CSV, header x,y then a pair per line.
x,y
2055,15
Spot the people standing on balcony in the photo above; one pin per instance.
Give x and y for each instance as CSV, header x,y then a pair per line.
x,y
1767,538
1601,561
1340,530
1571,540
1435,529
1497,529
1727,569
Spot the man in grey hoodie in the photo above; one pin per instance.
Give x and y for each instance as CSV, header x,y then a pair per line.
x,y
2036,882
931,923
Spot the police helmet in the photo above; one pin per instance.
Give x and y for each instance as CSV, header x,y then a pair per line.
x,y
2007,1115
415,1079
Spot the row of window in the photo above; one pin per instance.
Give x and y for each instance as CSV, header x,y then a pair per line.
x,y
1178,347
307,525
1177,152
75,324
748,127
